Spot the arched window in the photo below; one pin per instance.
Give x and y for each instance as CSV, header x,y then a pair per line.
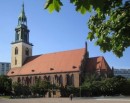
x,y
30,80
16,50
22,80
36,79
72,80
15,61
61,80
49,78
19,80
27,81
68,80
56,78
39,78
45,78
27,51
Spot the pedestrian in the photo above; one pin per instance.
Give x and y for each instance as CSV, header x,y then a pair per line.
x,y
71,97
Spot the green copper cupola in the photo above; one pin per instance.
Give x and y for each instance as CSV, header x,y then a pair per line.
x,y
22,31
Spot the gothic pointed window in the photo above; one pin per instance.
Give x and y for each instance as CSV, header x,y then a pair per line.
x,y
19,80
27,51
30,80
68,80
16,51
61,80
15,61
49,78
72,79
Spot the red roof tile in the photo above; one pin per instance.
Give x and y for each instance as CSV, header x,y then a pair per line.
x,y
97,63
49,63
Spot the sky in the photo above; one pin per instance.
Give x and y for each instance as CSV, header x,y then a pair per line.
x,y
51,32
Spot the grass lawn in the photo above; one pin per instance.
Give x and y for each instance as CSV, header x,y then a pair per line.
x,y
5,97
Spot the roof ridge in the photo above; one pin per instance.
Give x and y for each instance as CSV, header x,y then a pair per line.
x,y
96,57
62,51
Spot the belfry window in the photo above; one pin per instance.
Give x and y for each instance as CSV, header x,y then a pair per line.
x,y
16,50
27,52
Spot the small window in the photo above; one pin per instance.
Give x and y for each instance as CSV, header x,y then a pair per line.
x,y
74,67
2,65
27,52
12,72
33,70
16,51
51,68
7,65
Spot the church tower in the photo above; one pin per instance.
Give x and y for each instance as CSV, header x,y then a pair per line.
x,y
21,47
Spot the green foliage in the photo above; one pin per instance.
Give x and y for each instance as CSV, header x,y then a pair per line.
x,y
126,90
66,91
81,6
7,97
109,25
110,28
5,85
93,77
105,86
40,87
52,5
73,90
112,86
91,85
20,89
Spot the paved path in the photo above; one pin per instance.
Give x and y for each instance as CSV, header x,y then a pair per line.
x,y
67,100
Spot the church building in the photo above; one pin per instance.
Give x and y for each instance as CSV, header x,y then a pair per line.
x,y
61,68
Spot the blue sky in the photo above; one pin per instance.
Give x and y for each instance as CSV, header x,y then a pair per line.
x,y
54,32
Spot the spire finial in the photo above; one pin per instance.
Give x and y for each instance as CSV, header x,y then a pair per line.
x,y
23,7
22,18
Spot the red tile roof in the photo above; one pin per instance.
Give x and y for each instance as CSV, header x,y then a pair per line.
x,y
97,63
49,63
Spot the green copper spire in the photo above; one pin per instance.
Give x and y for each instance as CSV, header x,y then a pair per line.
x,y
22,18
22,31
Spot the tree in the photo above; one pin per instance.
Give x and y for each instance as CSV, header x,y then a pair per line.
x,y
105,86
92,85
20,89
109,25
5,85
126,90
40,87
113,86
111,28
